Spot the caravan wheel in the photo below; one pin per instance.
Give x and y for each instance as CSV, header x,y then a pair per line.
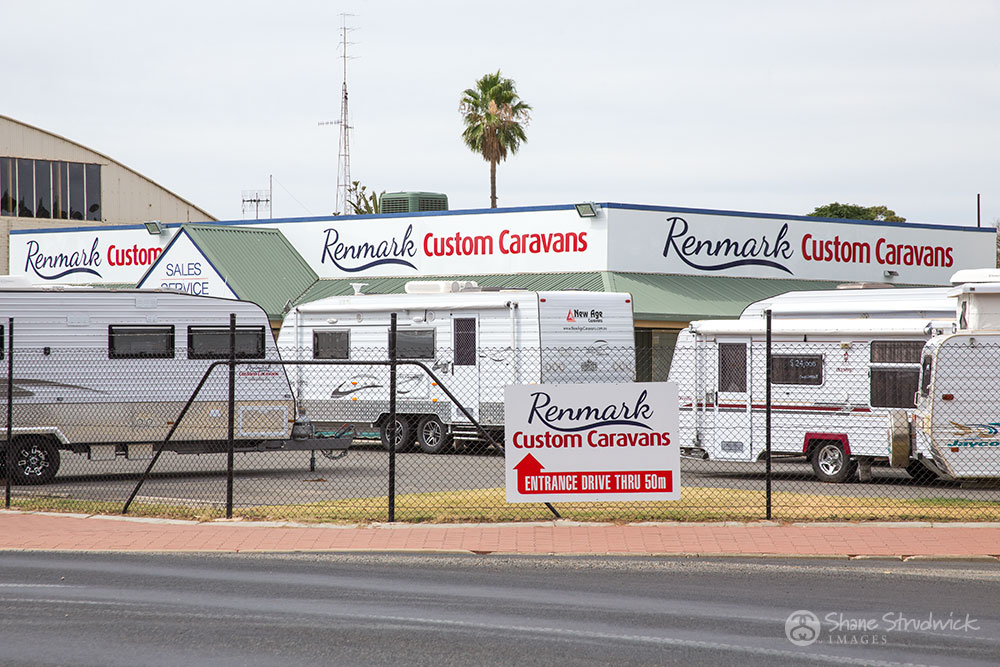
x,y
831,463
35,460
432,438
404,434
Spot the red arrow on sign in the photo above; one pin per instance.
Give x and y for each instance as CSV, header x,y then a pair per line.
x,y
531,479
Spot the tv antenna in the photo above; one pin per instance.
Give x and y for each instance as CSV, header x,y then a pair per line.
x,y
344,144
257,199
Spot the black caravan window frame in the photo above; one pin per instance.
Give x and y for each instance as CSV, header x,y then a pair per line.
x,y
894,373
896,351
412,343
464,335
118,338
338,348
732,368
212,342
894,387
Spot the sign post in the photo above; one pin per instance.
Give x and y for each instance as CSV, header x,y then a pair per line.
x,y
591,442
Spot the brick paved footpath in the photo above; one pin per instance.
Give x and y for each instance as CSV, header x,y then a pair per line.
x,y
74,532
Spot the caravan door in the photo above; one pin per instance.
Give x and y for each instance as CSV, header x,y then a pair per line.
x,y
731,439
465,371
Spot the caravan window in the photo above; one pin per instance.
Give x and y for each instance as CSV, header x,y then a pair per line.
x,y
733,367
213,342
894,373
925,374
331,344
140,341
896,351
465,341
415,344
894,387
797,369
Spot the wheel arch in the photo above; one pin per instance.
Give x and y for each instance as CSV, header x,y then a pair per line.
x,y
814,439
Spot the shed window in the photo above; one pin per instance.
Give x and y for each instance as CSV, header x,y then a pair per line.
x,y
415,343
140,342
213,342
331,344
797,369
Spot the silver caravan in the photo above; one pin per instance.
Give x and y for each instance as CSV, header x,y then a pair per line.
x,y
476,340
843,363
105,374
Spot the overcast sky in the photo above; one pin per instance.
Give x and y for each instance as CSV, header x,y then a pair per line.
x,y
768,106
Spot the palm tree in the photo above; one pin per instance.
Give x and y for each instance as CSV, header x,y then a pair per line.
x,y
495,118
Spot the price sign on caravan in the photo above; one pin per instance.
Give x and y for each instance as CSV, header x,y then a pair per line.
x,y
591,442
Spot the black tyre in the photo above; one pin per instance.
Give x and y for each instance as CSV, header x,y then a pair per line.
x,y
404,434
432,437
919,472
35,460
831,464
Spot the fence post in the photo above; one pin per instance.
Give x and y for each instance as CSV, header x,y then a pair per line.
x,y
8,451
767,413
391,429
232,415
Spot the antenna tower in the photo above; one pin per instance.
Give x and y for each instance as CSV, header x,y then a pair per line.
x,y
344,147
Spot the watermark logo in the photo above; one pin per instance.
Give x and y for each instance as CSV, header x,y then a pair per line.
x,y
802,627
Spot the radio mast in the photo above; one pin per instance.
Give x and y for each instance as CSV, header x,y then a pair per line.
x,y
344,143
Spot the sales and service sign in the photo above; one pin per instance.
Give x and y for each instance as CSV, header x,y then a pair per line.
x,y
591,442
183,267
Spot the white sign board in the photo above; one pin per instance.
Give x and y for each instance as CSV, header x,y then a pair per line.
x,y
768,246
591,442
84,256
550,239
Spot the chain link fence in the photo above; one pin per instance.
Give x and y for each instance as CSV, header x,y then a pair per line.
x,y
309,440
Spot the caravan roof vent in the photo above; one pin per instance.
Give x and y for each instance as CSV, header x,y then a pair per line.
x,y
440,286
412,202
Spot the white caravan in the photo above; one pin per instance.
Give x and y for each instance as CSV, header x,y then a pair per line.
x,y
476,340
106,373
843,362
957,421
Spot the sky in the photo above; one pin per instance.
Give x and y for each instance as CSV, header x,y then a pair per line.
x,y
766,106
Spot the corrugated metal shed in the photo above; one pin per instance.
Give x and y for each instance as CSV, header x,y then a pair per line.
x,y
656,297
260,265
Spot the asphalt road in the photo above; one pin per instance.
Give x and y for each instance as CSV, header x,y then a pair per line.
x,y
120,609
286,478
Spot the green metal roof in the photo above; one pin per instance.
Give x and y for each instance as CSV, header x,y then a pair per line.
x,y
259,264
655,297
686,298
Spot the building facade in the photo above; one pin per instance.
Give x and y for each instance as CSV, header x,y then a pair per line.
x,y
679,264
49,181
